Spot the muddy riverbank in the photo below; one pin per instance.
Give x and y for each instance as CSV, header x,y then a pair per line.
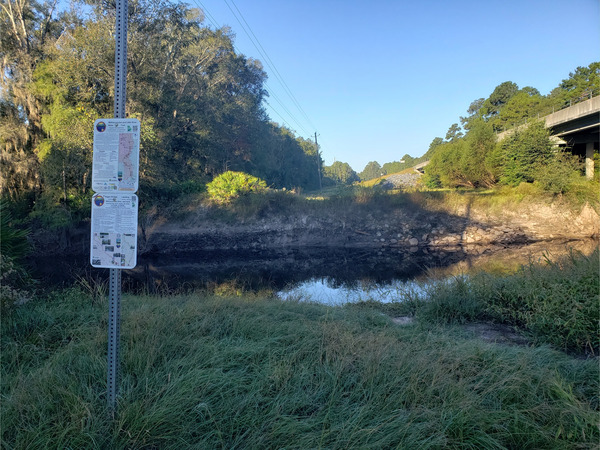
x,y
410,228
353,244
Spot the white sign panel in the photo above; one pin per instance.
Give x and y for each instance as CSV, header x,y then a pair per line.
x,y
116,155
114,231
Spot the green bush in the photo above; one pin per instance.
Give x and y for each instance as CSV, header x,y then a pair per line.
x,y
230,185
14,246
14,283
558,173
13,241
432,181
522,154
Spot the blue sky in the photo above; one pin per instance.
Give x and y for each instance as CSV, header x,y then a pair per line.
x,y
379,79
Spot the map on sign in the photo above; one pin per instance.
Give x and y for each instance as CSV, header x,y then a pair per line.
x,y
127,166
116,155
114,231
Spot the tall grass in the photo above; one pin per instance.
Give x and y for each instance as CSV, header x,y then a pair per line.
x,y
558,302
207,372
340,201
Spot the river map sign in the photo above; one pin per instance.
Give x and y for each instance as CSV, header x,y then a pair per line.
x,y
115,178
116,158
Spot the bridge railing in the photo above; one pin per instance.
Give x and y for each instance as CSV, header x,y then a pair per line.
x,y
585,96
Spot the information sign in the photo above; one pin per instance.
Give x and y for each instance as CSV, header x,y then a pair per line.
x,y
114,231
116,155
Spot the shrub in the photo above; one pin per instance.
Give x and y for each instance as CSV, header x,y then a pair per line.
x,y
432,181
557,174
523,152
230,185
14,281
14,246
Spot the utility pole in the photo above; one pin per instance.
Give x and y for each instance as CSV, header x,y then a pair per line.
x,y
318,162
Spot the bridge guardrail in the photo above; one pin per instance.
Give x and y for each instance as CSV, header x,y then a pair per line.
x,y
585,96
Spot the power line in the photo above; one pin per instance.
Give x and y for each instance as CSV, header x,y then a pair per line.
x,y
269,63
255,41
285,109
206,12
216,25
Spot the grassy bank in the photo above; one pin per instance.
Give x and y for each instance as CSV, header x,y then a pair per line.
x,y
555,302
202,371
369,198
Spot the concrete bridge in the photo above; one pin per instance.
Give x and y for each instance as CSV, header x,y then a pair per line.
x,y
577,127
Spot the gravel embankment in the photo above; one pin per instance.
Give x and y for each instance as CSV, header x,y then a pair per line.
x,y
400,180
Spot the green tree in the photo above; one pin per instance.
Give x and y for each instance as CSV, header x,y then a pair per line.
x,y
199,102
19,165
523,152
371,170
498,98
559,173
474,113
464,161
475,166
454,133
409,161
525,105
339,173
490,109
475,106
436,142
283,159
445,167
312,163
580,84
393,167
26,27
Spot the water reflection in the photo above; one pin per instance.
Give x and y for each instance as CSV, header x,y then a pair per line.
x,y
503,261
326,273
326,292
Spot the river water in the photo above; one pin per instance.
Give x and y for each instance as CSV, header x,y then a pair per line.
x,y
506,260
331,276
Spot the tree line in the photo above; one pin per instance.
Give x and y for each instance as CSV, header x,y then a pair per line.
x,y
200,103
470,155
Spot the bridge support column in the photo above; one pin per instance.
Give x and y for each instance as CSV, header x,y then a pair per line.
x,y
589,160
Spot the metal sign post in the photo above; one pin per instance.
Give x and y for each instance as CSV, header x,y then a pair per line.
x,y
114,301
115,179
114,335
